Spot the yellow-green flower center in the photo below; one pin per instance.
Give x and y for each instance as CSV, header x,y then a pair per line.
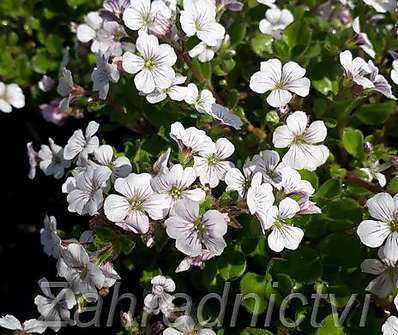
x,y
298,139
279,85
394,225
198,25
199,226
175,193
149,64
212,160
135,204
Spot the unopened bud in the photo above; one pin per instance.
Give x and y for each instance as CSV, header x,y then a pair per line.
x,y
368,147
161,25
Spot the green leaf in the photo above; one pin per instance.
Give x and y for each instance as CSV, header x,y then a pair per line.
x,y
376,113
344,209
353,142
237,31
311,177
262,44
329,327
329,189
254,284
298,34
303,265
393,185
334,250
231,265
75,3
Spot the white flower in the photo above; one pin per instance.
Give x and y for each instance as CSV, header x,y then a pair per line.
x,y
162,162
104,36
82,144
109,38
283,234
386,272
268,163
259,196
394,72
303,141
175,184
186,325
102,74
83,276
390,327
374,172
199,261
212,167
146,15
380,83
204,52
49,237
111,276
356,69
114,9
54,309
32,326
293,186
153,68
87,31
382,6
362,39
282,82
224,116
138,201
11,96
238,181
33,160
120,166
191,141
52,161
199,18
66,89
384,208
160,300
46,83
87,197
194,232
275,22
202,102
174,92
269,3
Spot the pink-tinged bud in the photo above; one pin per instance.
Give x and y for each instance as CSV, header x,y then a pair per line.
x,y
126,319
118,61
368,147
47,83
161,25
226,218
394,161
345,16
52,113
357,91
308,207
202,258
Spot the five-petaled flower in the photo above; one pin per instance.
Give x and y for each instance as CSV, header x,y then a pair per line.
x,y
153,67
280,81
373,233
303,141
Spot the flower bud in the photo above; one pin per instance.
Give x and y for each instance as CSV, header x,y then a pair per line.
x,y
368,147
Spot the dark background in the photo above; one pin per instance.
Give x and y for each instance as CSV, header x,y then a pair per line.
x,y
24,205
